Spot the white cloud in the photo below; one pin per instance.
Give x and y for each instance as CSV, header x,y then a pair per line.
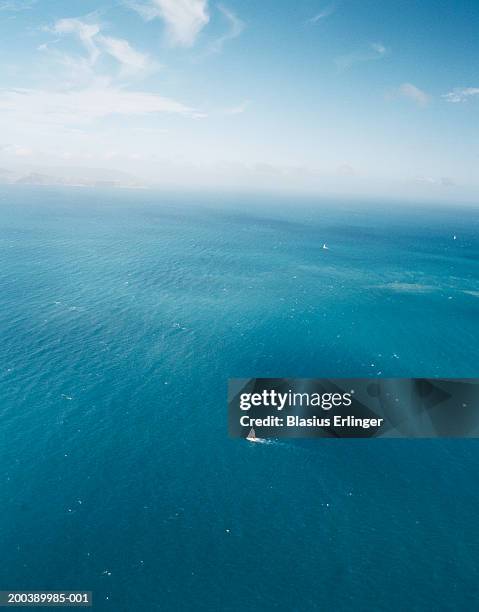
x,y
131,60
66,108
443,181
236,110
73,71
326,12
379,48
16,150
461,94
236,26
410,91
375,51
184,18
123,52
86,32
16,5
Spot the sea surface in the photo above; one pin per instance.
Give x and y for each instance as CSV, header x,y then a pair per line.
x,y
122,315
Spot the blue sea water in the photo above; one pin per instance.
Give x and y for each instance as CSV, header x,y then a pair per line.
x,y
123,314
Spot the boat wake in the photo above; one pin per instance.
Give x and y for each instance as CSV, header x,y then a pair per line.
x,y
251,437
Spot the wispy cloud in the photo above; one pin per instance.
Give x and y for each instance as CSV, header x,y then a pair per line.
x,y
375,51
79,107
184,19
379,48
413,93
235,27
16,5
443,181
131,60
95,43
86,32
325,12
461,94
16,150
85,90
236,110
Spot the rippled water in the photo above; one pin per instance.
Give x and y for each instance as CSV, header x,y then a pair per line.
x,y
122,315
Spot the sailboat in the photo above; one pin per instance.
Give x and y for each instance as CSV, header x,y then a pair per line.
x,y
325,247
251,437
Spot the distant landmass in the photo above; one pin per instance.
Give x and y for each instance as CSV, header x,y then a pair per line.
x,y
74,177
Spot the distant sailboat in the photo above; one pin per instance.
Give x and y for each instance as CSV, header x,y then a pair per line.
x,y
325,247
251,437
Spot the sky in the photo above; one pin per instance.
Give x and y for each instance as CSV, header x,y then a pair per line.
x,y
364,97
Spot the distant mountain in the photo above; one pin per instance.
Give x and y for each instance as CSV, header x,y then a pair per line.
x,y
35,178
5,175
79,177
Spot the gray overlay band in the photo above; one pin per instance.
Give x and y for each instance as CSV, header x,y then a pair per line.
x,y
403,407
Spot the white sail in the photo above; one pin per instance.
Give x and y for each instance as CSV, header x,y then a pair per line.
x,y
251,437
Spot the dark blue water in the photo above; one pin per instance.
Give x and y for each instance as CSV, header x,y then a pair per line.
x,y
122,315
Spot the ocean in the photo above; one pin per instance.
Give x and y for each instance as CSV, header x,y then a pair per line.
x,y
122,315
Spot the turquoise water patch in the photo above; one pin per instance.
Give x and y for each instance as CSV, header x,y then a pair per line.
x,y
122,316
